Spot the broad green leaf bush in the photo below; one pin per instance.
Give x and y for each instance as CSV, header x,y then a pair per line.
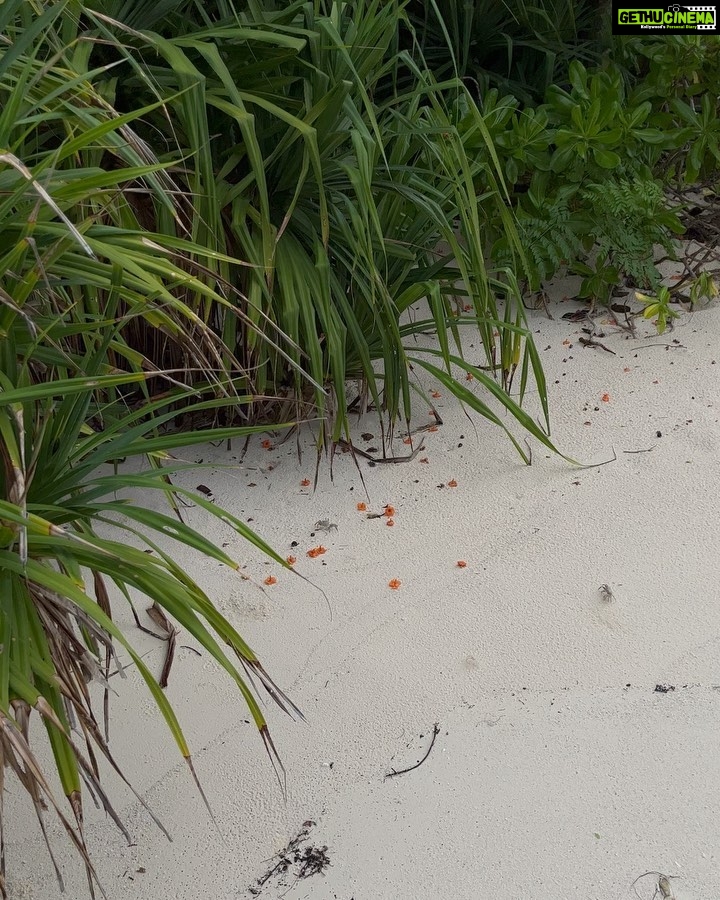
x,y
588,168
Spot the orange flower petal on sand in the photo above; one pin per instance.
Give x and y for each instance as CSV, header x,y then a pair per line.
x,y
271,579
361,507
291,560
305,482
626,369
407,440
389,511
266,444
316,551
433,428
461,564
394,583
390,522
436,395
605,398
452,483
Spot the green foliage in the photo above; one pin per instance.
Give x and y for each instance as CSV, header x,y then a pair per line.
x,y
586,169
329,164
659,306
632,219
519,48
222,213
78,276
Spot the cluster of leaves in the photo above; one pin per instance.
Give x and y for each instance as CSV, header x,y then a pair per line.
x,y
587,168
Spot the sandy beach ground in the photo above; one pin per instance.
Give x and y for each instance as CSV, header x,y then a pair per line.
x,y
578,738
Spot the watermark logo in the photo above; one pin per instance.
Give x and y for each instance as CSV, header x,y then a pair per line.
x,y
670,18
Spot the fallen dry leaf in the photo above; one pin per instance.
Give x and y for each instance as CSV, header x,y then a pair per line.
x,y
394,583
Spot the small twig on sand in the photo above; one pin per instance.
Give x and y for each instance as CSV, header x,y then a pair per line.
x,y
648,450
662,888
375,460
672,346
589,342
394,773
603,463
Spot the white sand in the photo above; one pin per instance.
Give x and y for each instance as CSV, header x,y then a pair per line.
x,y
559,773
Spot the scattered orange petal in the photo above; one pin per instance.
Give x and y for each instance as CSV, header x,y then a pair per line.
x,y
461,564
452,483
605,398
468,307
566,343
469,376
389,511
271,579
424,460
432,428
266,444
291,560
626,369
436,395
305,482
407,440
361,507
390,522
316,551
394,583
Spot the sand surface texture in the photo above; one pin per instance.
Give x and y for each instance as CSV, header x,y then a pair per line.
x,y
578,737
